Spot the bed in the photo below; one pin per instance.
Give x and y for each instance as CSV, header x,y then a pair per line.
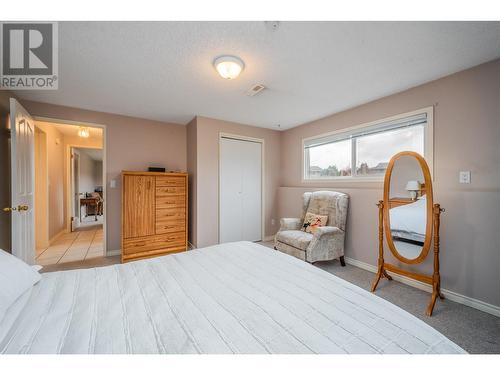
x,y
408,221
231,298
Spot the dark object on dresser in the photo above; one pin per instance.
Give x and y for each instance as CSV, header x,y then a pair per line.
x,y
156,169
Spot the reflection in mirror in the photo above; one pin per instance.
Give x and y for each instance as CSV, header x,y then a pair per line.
x,y
407,207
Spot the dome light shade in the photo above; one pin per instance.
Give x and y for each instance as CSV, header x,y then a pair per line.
x,y
228,67
83,132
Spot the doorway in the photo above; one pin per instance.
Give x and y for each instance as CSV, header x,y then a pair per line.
x,y
86,188
75,192
240,189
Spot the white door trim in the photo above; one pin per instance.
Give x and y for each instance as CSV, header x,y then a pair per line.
x,y
45,182
262,186
68,173
71,162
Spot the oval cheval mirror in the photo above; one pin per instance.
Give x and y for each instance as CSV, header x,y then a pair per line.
x,y
410,219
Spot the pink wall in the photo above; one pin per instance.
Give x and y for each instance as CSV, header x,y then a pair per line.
x,y
466,137
132,144
207,175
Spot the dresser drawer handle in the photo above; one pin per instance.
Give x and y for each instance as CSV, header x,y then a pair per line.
x,y
168,215
168,190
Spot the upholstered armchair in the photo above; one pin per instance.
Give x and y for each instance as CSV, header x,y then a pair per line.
x,y
327,242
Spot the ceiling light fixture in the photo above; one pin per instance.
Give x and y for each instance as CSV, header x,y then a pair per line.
x,y
83,132
229,67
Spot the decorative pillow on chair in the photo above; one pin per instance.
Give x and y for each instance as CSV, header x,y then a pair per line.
x,y
312,222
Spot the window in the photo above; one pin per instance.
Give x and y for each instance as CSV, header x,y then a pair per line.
x,y
363,152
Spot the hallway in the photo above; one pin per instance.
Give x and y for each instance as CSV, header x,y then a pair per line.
x,y
87,243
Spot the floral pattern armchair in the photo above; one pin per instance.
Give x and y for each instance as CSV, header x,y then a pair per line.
x,y
327,242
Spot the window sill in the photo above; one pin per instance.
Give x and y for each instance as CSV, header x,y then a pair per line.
x,y
343,180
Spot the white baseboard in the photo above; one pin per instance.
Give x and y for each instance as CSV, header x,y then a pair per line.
x,y
452,296
111,253
268,238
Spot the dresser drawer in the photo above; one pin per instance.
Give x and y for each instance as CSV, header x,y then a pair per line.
x,y
163,241
174,201
170,181
170,226
165,214
165,191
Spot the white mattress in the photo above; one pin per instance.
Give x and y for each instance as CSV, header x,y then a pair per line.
x,y
231,298
409,221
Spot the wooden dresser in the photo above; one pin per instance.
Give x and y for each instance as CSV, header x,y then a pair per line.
x,y
154,214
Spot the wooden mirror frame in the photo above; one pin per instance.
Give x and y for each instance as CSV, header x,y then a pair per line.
x,y
429,203
432,234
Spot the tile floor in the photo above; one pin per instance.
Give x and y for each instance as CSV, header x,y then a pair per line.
x,y
88,221
75,246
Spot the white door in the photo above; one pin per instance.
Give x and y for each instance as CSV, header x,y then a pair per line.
x,y
23,182
240,190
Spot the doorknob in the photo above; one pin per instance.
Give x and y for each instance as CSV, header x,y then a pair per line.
x,y
21,207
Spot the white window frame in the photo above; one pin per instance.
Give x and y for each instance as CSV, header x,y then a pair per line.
x,y
428,147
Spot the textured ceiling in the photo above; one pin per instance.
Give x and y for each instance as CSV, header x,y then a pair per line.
x,y
163,70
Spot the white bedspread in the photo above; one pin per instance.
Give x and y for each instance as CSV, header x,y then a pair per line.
x,y
231,298
410,219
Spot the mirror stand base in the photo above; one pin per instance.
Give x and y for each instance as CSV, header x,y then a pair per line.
x,y
381,273
430,280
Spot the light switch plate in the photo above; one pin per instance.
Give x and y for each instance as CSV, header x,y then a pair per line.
x,y
112,184
464,177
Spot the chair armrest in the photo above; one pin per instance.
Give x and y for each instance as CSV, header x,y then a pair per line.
x,y
290,224
327,231
327,243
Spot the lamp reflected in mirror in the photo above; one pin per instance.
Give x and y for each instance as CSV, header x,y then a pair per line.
x,y
413,187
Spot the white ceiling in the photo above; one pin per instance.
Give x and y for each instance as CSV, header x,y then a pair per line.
x,y
72,130
163,70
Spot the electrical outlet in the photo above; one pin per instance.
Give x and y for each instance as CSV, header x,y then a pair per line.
x,y
273,222
464,177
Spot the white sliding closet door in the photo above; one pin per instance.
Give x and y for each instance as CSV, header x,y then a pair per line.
x,y
240,190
